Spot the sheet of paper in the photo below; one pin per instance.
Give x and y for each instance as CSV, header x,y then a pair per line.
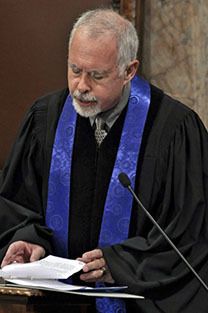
x,y
54,285
50,284
51,267
44,274
106,294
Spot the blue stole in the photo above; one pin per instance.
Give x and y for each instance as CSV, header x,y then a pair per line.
x,y
117,211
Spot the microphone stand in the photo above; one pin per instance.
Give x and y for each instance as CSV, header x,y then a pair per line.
x,y
125,181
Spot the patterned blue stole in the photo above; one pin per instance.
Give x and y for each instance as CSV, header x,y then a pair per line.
x,y
117,211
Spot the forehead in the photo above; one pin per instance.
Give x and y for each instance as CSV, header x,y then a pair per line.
x,y
87,51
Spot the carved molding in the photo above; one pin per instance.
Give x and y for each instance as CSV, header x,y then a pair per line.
x,y
20,291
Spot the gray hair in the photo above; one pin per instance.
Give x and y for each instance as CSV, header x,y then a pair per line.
x,y
99,21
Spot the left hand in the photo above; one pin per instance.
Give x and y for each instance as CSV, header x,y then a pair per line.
x,y
23,252
95,269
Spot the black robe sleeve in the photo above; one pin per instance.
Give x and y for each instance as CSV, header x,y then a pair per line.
x,y
24,181
173,184
21,202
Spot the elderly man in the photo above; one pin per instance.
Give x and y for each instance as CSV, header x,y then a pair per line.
x,y
60,192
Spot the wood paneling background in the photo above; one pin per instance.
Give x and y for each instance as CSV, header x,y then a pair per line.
x,y
33,55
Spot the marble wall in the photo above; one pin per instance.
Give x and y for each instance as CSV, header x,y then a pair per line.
x,y
175,50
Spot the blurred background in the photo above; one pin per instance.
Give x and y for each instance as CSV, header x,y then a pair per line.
x,y
33,51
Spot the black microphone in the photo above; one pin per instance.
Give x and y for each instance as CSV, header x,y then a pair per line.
x,y
125,182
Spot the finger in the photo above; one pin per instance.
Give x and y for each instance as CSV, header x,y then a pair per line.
x,y
94,265
37,253
91,255
15,248
92,276
101,275
14,251
18,259
7,260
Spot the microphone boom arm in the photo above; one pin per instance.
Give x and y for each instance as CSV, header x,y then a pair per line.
x,y
124,180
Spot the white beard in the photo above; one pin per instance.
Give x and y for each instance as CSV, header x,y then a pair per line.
x,y
88,111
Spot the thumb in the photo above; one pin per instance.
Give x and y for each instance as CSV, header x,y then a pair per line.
x,y
37,253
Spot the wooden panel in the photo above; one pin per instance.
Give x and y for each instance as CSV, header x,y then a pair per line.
x,y
33,55
13,308
133,10
22,300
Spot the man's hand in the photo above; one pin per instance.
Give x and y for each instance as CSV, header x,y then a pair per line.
x,y
95,269
23,252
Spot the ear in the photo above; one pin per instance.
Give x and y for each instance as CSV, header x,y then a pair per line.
x,y
130,71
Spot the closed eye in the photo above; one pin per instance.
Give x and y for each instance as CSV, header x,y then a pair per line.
x,y
97,75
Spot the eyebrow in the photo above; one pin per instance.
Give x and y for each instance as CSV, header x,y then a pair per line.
x,y
101,72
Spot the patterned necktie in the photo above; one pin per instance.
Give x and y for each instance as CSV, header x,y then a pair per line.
x,y
100,131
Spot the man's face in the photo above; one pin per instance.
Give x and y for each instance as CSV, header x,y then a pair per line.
x,y
93,76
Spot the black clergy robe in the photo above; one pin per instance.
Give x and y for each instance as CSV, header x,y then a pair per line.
x,y
172,182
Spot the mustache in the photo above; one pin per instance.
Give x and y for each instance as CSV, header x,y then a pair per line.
x,y
84,97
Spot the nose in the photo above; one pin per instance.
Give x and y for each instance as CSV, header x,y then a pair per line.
x,y
84,83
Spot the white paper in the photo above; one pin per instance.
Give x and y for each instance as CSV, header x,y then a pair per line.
x,y
44,274
105,294
51,267
54,285
50,284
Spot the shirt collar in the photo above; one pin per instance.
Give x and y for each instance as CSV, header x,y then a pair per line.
x,y
110,116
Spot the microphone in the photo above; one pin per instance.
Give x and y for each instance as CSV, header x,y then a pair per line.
x,y
125,182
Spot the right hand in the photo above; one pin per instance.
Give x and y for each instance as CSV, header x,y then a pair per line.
x,y
23,252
